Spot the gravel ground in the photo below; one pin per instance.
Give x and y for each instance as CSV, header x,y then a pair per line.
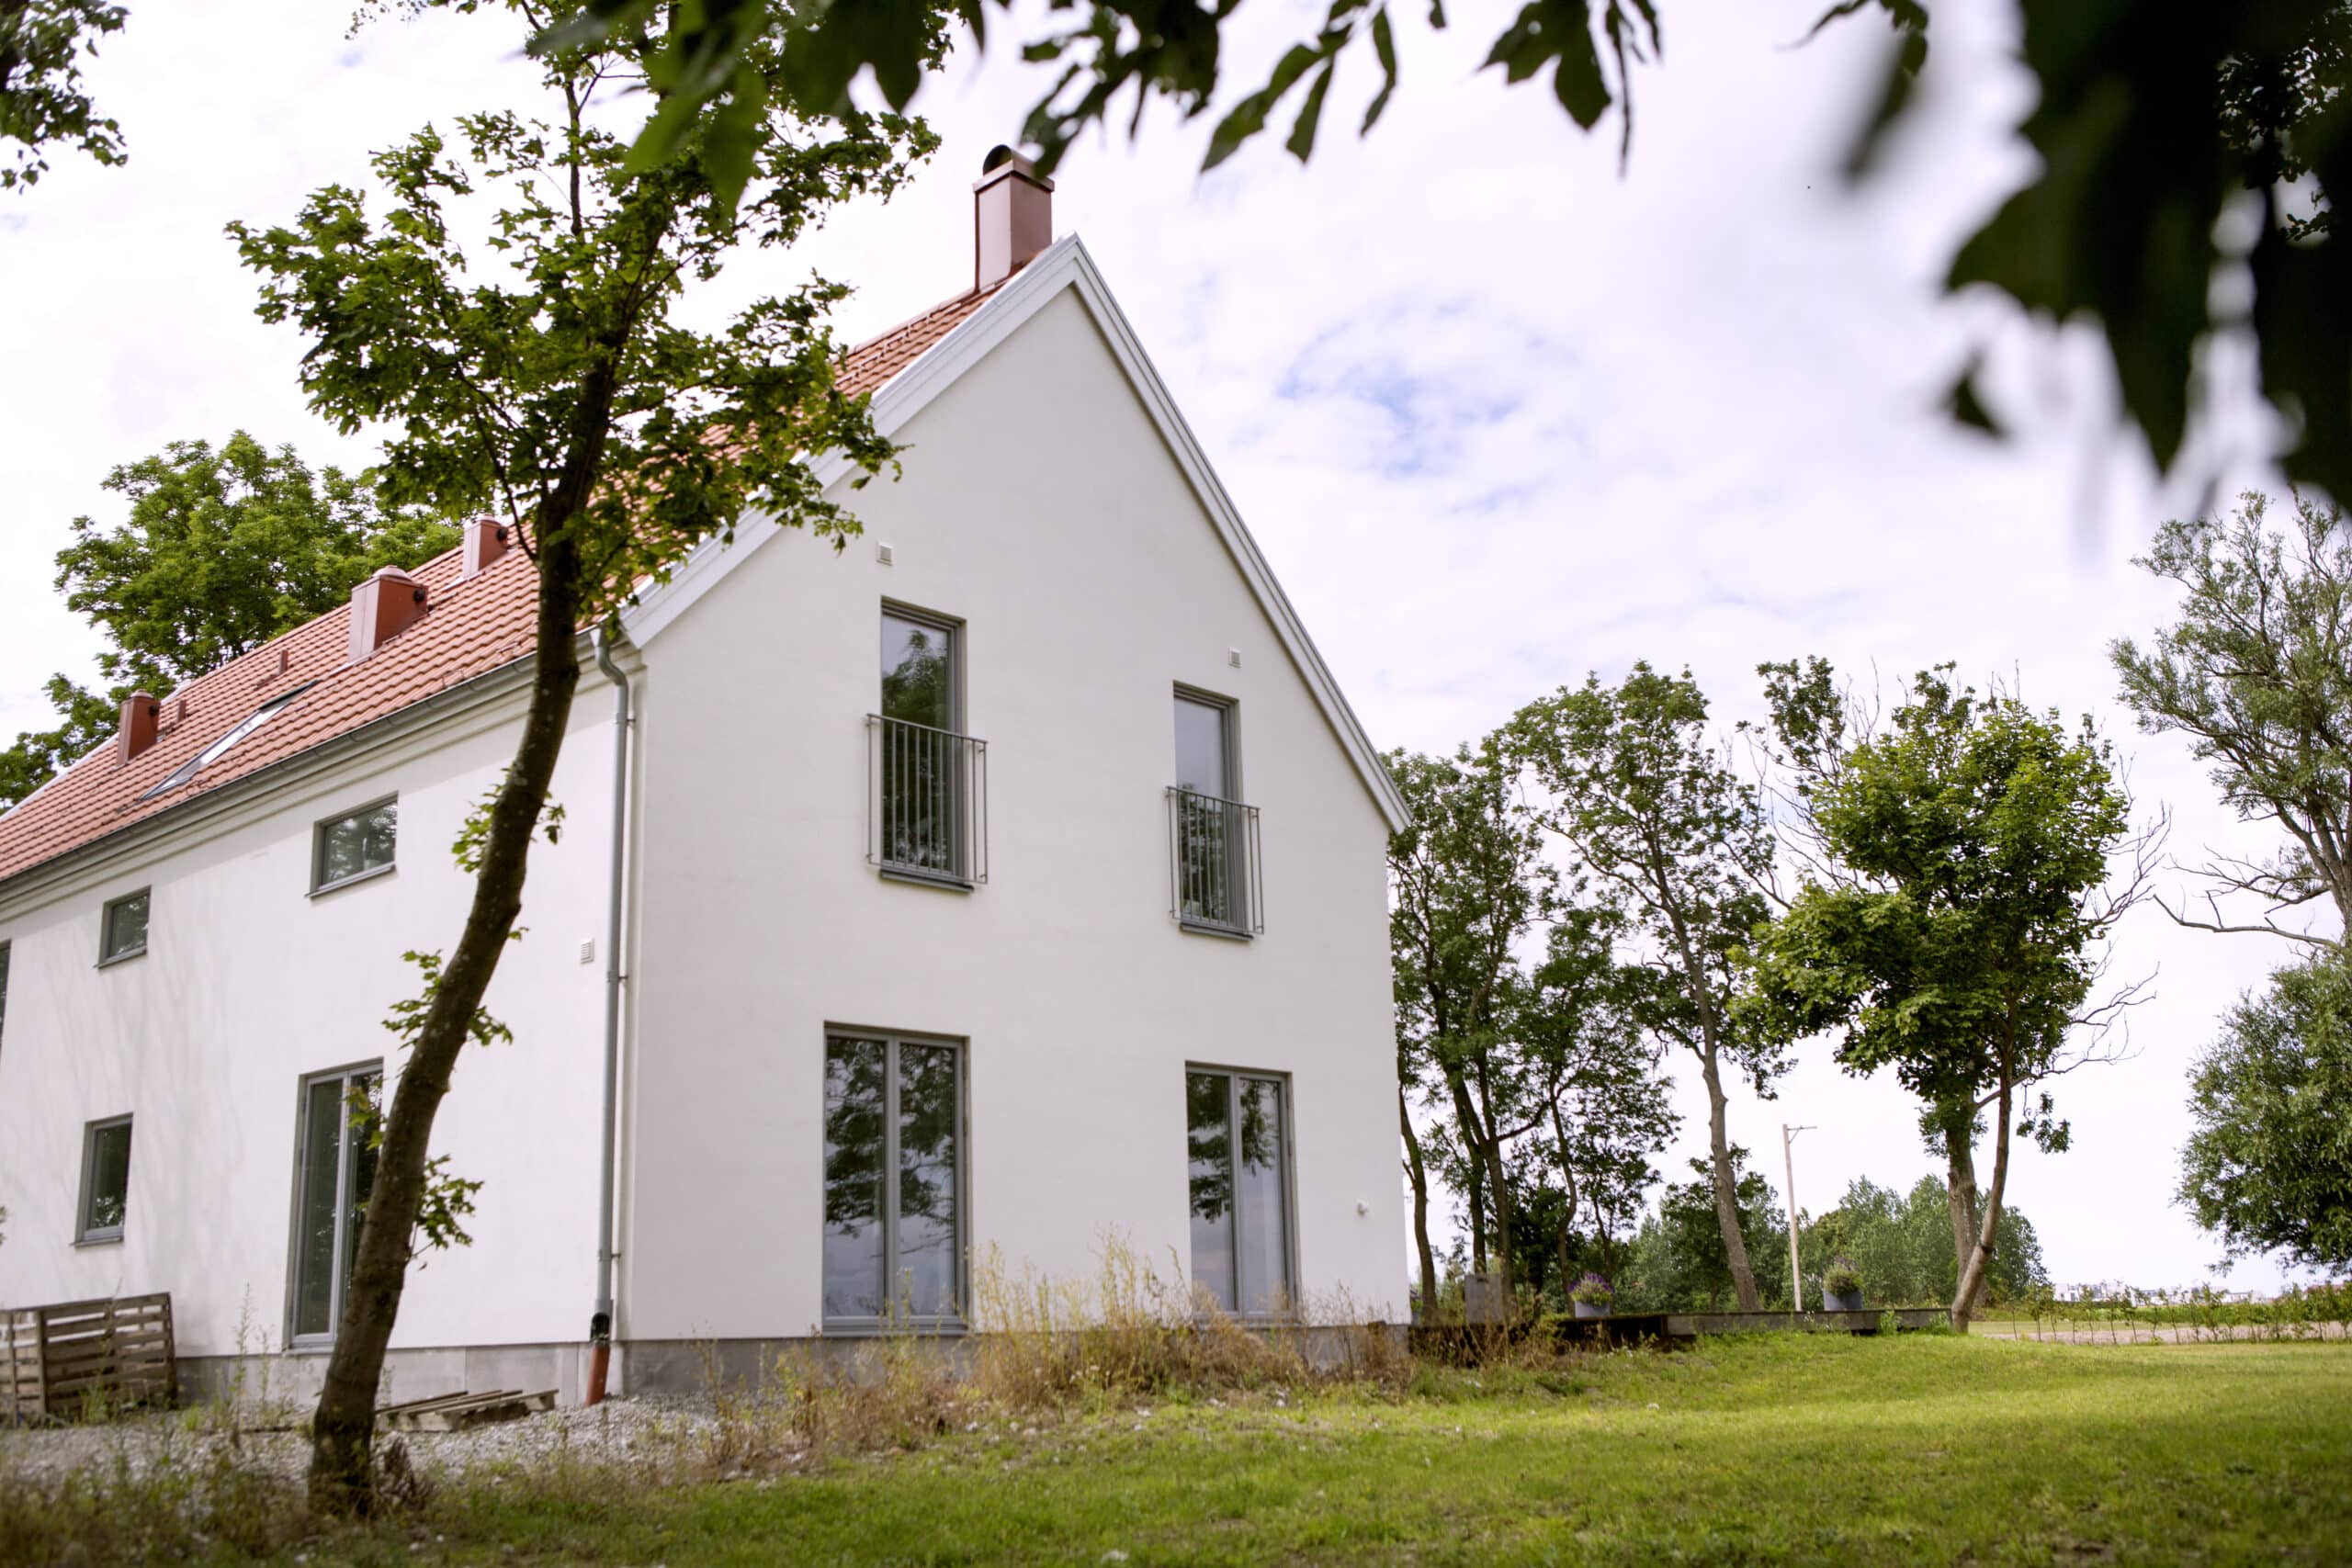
x,y
619,1429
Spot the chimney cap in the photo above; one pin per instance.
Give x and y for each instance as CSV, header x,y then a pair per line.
x,y
1003,162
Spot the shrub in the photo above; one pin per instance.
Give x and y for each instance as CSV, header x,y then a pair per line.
x,y
1843,1279
1593,1291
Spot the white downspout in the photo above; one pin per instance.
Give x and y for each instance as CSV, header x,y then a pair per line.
x,y
600,1325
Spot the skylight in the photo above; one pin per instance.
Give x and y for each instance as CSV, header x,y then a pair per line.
x,y
220,747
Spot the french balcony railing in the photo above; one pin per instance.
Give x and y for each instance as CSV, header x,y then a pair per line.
x,y
1213,864
927,802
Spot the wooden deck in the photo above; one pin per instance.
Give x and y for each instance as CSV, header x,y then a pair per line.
x,y
1670,1328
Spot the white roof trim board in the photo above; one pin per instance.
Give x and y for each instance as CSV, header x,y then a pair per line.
x,y
1065,266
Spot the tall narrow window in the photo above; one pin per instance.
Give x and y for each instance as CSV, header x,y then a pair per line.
x,y
893,1232
930,781
1213,836
106,1180
1237,1137
337,1170
354,846
122,928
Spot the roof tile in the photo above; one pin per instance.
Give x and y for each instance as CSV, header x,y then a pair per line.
x,y
469,628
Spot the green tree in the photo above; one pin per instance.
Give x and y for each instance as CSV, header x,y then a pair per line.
x,y
1599,1105
2149,122
1681,1261
551,378
2269,1165
1675,843
42,101
1900,1245
222,550
1965,951
1467,883
2258,673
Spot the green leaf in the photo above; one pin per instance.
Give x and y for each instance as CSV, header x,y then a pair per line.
x,y
1384,47
1578,82
1302,134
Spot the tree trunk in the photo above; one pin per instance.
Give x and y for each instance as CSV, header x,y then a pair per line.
x,y
1465,1117
1959,1194
1418,1174
342,1477
1743,1276
1974,1278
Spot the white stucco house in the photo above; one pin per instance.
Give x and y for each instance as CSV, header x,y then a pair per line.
x,y
972,887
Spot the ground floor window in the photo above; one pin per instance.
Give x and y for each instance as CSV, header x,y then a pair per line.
x,y
337,1167
106,1180
1239,1140
894,1179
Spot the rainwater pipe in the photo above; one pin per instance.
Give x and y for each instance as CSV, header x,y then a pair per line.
x,y
600,1324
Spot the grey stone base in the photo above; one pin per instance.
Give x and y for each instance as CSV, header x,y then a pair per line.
x,y
294,1377
639,1366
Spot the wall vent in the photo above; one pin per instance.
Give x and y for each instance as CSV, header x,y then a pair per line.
x,y
1233,657
882,554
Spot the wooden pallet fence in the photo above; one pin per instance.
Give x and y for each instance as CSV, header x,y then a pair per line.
x,y
55,1359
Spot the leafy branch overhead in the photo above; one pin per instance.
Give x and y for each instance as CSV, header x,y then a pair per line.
x,y
42,99
2152,124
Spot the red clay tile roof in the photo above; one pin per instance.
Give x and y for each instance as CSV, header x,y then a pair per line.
x,y
469,629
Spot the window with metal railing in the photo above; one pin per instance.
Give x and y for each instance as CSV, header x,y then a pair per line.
x,y
1213,864
1212,837
928,793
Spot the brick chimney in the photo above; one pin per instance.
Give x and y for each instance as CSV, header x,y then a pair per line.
x,y
1012,216
137,731
485,542
381,608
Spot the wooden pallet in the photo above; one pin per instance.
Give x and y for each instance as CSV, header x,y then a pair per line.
x,y
56,1361
455,1411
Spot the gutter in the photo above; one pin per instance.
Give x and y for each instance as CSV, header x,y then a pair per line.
x,y
600,1323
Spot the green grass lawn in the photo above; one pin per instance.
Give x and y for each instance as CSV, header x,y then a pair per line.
x,y
1818,1448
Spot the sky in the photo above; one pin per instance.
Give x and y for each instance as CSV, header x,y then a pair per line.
x,y
1499,410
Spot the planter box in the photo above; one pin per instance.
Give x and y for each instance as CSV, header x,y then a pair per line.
x,y
1850,1302
1591,1309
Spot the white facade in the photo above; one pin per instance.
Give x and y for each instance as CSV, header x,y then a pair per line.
x,y
1055,509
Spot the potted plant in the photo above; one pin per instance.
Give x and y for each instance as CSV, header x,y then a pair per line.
x,y
1592,1296
1841,1287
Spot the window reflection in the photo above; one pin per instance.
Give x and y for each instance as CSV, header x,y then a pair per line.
x,y
1240,1203
893,1230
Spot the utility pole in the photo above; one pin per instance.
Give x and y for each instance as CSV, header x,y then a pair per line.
x,y
1789,1163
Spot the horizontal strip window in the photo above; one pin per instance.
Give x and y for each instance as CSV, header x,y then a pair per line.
x,y
354,846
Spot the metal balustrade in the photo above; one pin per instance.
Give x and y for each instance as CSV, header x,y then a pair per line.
x,y
927,802
1213,864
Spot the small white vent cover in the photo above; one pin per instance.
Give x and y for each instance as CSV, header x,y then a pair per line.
x,y
1233,657
588,951
882,554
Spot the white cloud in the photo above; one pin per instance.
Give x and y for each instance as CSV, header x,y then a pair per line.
x,y
1498,414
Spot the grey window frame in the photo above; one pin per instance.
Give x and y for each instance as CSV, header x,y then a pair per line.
x,y
951,1322
105,924
302,1086
1233,1076
319,847
1230,708
85,1233
956,629
7,962
1244,872
969,811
